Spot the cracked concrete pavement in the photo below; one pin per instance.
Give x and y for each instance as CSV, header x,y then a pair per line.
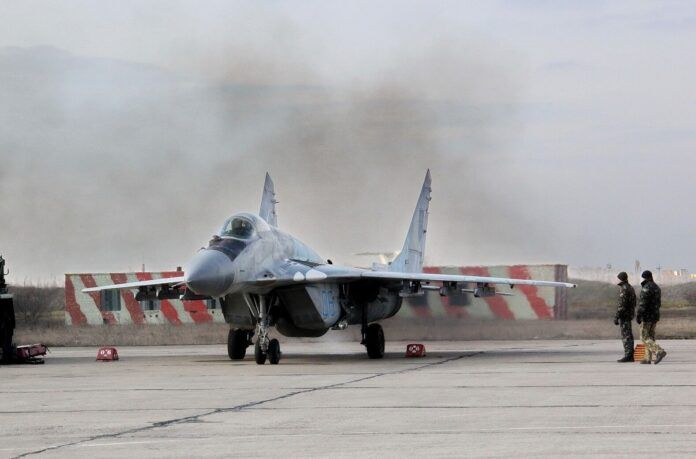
x,y
476,398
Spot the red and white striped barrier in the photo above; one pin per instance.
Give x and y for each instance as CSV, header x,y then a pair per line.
x,y
87,308
526,302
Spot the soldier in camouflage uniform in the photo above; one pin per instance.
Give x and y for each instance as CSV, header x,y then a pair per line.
x,y
648,316
624,315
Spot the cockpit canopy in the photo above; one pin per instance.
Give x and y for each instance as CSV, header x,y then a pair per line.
x,y
238,228
243,226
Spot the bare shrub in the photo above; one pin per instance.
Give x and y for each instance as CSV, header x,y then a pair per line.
x,y
38,304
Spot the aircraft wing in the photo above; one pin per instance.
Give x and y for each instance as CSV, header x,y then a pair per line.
x,y
147,283
429,277
297,272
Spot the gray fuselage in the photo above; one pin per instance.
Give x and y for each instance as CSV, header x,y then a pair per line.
x,y
247,257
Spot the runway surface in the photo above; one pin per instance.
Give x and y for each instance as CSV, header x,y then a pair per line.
x,y
481,399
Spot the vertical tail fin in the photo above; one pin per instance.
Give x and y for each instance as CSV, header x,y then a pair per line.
x,y
410,260
268,202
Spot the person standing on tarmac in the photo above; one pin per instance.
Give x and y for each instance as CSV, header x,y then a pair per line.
x,y
648,316
624,315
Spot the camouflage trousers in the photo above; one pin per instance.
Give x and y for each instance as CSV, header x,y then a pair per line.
x,y
626,336
647,335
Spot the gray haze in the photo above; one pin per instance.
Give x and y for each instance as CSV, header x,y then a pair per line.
x,y
128,132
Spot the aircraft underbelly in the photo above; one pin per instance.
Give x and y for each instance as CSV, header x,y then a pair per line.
x,y
385,306
236,312
312,307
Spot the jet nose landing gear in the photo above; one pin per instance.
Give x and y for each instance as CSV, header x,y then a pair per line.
x,y
272,352
265,347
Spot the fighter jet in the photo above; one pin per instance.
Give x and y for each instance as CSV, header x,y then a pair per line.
x,y
265,278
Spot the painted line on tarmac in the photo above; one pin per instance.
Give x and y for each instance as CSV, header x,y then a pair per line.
x,y
198,417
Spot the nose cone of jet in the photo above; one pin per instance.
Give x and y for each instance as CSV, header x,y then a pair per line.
x,y
210,273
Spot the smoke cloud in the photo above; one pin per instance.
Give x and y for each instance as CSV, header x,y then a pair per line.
x,y
110,164
127,137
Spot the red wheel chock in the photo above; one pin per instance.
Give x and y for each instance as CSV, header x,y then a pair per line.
x,y
415,350
107,354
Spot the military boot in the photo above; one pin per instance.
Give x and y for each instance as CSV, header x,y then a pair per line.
x,y
660,355
626,358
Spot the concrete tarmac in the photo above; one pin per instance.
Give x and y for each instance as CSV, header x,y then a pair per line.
x,y
465,399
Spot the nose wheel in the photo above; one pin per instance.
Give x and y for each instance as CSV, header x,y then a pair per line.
x,y
265,348
259,354
273,353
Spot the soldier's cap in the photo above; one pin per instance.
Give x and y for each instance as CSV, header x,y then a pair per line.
x,y
623,276
646,274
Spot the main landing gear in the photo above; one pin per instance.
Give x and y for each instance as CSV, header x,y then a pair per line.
x,y
237,342
374,341
372,337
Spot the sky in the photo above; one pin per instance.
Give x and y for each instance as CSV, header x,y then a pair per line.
x,y
556,132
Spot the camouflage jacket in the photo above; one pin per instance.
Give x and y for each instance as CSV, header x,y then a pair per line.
x,y
650,302
625,310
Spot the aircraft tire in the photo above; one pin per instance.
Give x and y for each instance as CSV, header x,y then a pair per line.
x,y
274,352
375,341
237,342
259,355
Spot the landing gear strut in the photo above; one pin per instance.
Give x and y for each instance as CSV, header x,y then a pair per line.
x,y
237,342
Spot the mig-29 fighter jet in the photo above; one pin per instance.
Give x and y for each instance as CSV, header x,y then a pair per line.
x,y
264,277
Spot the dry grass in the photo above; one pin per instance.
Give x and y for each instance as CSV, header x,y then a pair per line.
x,y
395,329
530,329
123,335
591,310
596,300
